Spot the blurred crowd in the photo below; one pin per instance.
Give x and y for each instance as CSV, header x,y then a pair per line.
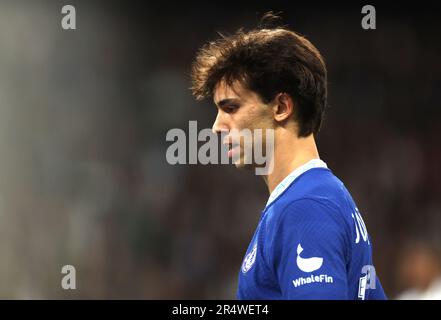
x,y
83,175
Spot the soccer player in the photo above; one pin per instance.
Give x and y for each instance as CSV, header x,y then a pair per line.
x,y
311,241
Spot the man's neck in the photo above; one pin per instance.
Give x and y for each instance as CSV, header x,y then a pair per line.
x,y
290,152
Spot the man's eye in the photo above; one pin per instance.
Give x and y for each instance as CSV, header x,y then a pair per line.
x,y
231,108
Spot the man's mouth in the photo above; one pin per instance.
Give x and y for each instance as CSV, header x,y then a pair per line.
x,y
232,149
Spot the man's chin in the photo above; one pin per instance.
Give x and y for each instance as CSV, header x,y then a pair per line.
x,y
240,164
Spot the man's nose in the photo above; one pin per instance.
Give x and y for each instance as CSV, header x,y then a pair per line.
x,y
219,124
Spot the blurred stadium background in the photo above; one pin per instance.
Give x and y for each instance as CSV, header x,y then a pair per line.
x,y
83,117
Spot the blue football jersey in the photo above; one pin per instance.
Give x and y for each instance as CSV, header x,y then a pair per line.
x,y
310,243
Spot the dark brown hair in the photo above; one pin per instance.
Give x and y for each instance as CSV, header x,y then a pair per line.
x,y
268,62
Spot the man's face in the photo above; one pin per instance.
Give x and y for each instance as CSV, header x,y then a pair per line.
x,y
240,108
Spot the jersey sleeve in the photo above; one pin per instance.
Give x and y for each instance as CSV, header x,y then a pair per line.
x,y
307,251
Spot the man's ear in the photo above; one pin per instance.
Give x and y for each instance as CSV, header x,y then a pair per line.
x,y
283,107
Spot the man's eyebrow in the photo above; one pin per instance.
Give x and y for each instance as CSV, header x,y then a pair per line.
x,y
226,101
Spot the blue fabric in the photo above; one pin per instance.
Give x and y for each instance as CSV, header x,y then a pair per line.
x,y
310,243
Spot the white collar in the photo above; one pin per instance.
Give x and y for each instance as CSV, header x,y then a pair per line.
x,y
314,163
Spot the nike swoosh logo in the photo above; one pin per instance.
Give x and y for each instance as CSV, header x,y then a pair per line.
x,y
308,264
